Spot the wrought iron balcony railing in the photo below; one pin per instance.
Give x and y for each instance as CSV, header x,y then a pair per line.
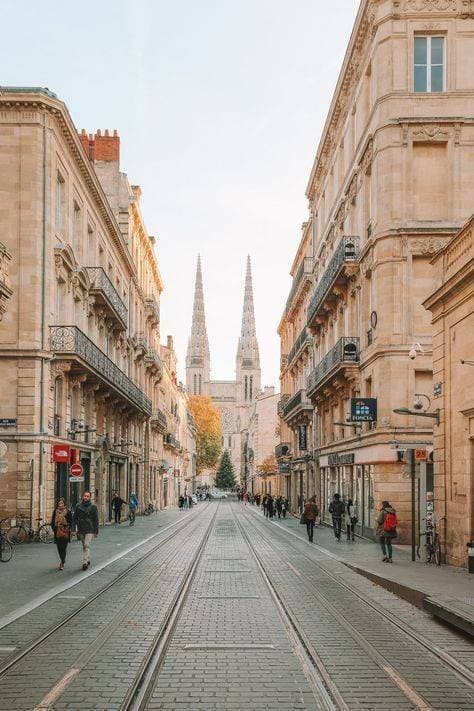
x,y
303,340
141,341
297,401
153,360
191,420
346,350
282,450
159,420
101,284
171,441
281,404
70,340
346,251
304,271
152,309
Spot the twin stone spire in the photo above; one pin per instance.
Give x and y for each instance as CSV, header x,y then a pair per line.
x,y
198,363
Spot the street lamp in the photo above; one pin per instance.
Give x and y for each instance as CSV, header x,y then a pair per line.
x,y
406,411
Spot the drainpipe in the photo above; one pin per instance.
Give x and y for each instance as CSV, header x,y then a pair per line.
x,y
43,339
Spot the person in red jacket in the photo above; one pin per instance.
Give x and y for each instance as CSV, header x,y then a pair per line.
x,y
386,530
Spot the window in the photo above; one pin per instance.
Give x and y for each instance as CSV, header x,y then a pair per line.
x,y
195,386
77,226
200,384
428,70
60,198
251,388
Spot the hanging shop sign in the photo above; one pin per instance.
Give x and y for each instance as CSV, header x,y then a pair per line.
x,y
340,458
302,437
284,468
363,409
61,453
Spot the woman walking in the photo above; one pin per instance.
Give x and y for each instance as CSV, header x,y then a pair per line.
x,y
61,523
386,530
351,520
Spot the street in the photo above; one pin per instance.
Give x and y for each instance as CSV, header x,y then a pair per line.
x,y
219,608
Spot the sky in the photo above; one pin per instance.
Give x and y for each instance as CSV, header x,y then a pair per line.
x,y
220,106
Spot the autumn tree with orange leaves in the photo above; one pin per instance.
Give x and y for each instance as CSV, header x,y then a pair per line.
x,y
208,431
268,466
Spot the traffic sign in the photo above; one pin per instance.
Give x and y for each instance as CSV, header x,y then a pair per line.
x,y
76,470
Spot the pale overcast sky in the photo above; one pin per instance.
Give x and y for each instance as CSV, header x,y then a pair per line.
x,y
219,105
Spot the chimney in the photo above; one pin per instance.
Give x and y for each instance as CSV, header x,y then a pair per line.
x,y
100,147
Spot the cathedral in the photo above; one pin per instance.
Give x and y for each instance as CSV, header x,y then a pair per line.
x,y
233,398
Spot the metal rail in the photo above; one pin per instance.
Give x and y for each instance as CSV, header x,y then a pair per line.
x,y
141,689
463,672
18,656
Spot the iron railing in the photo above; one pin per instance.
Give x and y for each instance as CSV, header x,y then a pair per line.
x,y
141,340
171,441
101,282
298,399
71,340
282,449
160,420
305,269
304,339
152,357
281,404
346,251
152,308
346,350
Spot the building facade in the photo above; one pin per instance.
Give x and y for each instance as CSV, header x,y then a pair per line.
x,y
80,348
260,443
233,398
391,184
452,307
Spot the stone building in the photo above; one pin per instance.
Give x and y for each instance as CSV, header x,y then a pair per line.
x,y
233,398
261,440
452,308
80,348
391,183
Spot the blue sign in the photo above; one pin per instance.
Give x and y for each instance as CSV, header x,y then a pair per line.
x,y
363,409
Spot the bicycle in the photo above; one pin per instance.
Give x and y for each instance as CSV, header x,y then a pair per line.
x,y
22,532
149,509
6,548
432,542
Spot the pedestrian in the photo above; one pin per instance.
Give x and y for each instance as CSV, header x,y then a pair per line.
x,y
132,507
336,509
386,530
61,523
190,502
279,506
351,520
245,498
310,513
181,502
264,505
86,523
269,508
284,507
117,503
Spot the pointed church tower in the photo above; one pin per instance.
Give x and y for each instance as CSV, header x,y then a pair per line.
x,y
198,361
248,374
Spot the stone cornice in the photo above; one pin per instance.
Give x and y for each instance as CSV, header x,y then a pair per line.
x,y
58,111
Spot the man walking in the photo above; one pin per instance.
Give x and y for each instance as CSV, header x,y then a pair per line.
x,y
86,523
117,503
336,508
133,507
310,512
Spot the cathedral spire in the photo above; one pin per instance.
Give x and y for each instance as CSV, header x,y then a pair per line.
x,y
198,358
247,352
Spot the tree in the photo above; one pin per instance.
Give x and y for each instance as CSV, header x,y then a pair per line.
x,y
225,478
268,466
208,431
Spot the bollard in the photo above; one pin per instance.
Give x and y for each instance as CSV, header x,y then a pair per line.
x,y
470,553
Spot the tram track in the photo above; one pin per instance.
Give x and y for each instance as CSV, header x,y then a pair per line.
x,y
460,671
11,661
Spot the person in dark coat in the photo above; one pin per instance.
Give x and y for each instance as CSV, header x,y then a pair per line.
x,y
61,523
310,513
117,503
279,505
386,536
284,507
86,523
336,509
269,510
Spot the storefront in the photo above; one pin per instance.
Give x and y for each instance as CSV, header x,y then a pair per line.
x,y
67,487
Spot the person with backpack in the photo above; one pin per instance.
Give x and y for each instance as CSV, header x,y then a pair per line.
x,y
310,512
336,509
386,530
132,507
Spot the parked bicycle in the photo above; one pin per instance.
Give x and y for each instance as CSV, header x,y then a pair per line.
x,y
149,509
21,532
432,542
6,548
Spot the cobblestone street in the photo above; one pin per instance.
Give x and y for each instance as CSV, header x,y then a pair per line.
x,y
218,608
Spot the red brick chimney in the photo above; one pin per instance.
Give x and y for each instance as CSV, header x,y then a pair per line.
x,y
100,147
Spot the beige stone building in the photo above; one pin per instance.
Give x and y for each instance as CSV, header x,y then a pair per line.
x,y
452,308
260,441
80,346
391,183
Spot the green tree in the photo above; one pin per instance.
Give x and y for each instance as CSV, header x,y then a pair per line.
x,y
225,477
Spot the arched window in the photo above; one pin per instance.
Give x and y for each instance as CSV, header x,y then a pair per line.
x,y
246,388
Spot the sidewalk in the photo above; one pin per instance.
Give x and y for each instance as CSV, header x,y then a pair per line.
x,y
446,592
32,574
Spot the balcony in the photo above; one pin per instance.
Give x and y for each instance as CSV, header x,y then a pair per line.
x,y
297,406
191,421
142,342
159,421
301,278
171,441
345,353
106,294
281,404
153,361
70,343
338,270
152,310
303,341
282,450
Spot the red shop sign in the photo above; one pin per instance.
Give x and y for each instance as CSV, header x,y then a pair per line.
x,y
61,453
